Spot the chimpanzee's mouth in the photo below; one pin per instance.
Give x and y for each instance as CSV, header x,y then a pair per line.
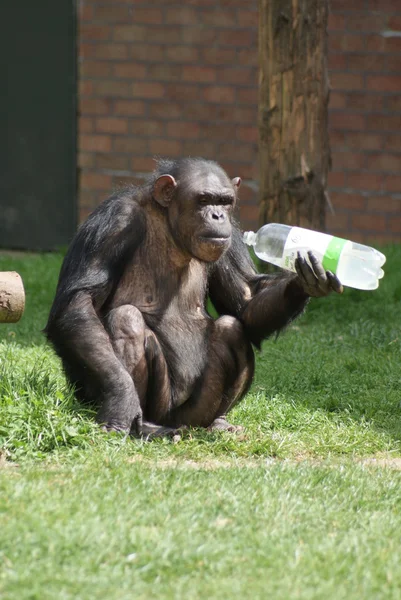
x,y
216,241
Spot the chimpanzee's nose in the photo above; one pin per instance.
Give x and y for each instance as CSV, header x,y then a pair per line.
x,y
218,215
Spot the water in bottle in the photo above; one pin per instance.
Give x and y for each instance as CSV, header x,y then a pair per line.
x,y
355,265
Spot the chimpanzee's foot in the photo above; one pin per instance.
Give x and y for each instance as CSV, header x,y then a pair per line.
x,y
150,430
221,424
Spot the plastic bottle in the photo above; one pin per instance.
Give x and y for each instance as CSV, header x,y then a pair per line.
x,y
355,265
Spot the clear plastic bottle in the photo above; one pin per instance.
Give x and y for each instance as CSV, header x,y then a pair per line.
x,y
355,265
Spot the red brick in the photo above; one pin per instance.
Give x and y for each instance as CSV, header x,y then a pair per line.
x,y
247,195
346,5
218,18
341,120
183,130
393,64
86,160
182,54
165,72
378,122
337,100
393,183
131,145
111,125
375,43
383,5
393,103
217,131
129,107
240,37
95,69
392,44
394,23
168,35
336,180
364,101
369,222
336,22
338,139
147,90
348,201
85,12
238,75
148,52
89,31
219,56
113,13
248,18
147,15
337,222
384,204
182,92
337,61
130,33
166,147
85,125
364,141
144,164
365,22
85,88
365,62
112,162
346,81
95,143
94,106
248,56
393,143
95,181
247,96
394,224
199,74
384,162
183,16
384,83
365,181
163,110
109,51
113,88
354,42
249,213
147,128
349,161
130,70
229,151
204,148
218,93
247,134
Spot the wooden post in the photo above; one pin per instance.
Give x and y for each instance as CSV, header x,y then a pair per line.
x,y
293,100
12,297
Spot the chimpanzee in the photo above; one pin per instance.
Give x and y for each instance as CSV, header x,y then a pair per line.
x,y
130,319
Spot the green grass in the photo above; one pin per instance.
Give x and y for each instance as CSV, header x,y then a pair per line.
x,y
291,508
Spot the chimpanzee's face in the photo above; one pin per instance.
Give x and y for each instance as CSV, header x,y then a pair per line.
x,y
200,213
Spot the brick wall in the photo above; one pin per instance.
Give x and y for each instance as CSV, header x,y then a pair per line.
x,y
173,79
365,119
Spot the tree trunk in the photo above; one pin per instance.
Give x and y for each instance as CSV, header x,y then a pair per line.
x,y
12,297
293,100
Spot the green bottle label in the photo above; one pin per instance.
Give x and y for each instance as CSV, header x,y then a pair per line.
x,y
333,253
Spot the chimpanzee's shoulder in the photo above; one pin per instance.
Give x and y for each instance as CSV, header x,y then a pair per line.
x,y
119,211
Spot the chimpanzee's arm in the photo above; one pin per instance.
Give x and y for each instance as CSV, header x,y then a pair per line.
x,y
264,303
90,272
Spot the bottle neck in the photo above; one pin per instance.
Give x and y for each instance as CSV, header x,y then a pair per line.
x,y
249,238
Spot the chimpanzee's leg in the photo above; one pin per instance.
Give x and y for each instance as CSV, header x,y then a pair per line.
x,y
137,348
227,378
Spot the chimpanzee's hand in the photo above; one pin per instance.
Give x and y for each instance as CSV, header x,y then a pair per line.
x,y
315,281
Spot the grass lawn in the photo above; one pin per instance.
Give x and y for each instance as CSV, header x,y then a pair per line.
x,y
306,503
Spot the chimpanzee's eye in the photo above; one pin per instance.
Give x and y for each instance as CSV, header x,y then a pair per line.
x,y
225,200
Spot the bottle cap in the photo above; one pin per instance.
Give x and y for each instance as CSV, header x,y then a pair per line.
x,y
249,238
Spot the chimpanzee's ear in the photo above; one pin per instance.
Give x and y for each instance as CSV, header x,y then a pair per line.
x,y
163,189
236,182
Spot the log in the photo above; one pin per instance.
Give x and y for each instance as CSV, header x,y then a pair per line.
x,y
293,98
12,297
